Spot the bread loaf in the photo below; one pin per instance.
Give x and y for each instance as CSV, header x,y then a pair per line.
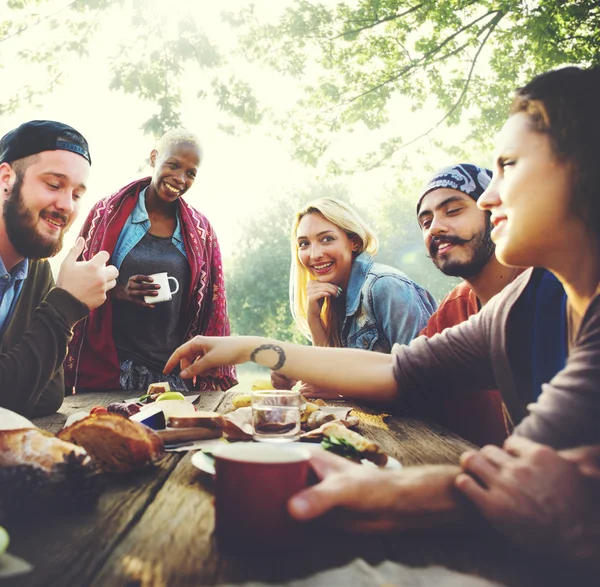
x,y
36,448
116,443
40,473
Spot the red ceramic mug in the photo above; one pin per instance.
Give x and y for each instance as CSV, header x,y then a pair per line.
x,y
254,483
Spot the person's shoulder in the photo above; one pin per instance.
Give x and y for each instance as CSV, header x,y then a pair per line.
x,y
382,270
462,293
195,214
385,278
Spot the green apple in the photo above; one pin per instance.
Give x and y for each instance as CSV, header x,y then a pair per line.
x,y
4,540
170,395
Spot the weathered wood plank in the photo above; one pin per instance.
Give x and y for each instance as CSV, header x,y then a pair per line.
x,y
172,544
70,549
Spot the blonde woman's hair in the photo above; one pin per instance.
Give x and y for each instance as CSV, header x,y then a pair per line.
x,y
346,219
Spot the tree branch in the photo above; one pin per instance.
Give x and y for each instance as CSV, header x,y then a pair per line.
x,y
377,22
494,23
426,58
29,26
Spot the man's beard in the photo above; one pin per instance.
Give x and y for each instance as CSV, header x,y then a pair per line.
x,y
21,227
481,245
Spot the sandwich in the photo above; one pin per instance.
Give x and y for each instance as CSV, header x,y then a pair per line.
x,y
351,445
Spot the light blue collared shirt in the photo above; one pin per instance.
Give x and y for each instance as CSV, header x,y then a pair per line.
x,y
137,225
11,285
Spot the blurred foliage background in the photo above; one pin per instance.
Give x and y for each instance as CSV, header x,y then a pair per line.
x,y
360,69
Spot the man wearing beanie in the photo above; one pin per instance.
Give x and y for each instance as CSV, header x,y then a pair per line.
x,y
456,234
44,168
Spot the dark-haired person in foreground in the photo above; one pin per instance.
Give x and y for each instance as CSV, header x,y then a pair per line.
x,y
545,211
44,168
456,234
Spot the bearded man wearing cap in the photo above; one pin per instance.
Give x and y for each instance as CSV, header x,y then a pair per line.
x,y
456,234
44,169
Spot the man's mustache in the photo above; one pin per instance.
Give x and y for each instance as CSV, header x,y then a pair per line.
x,y
436,241
58,216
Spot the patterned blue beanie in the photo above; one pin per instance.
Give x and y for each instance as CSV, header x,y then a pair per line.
x,y
464,177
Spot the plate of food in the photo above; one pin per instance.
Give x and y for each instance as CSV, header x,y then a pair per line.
x,y
336,438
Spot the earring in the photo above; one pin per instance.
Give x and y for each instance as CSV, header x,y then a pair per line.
x,y
6,190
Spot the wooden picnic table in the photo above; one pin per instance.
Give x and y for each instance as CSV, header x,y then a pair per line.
x,y
154,529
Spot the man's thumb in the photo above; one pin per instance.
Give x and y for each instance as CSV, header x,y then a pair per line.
x,y
77,249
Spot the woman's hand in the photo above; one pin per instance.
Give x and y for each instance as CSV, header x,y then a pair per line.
x,y
362,499
135,289
203,354
312,391
317,292
279,381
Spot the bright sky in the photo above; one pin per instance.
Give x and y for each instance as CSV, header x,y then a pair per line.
x,y
239,175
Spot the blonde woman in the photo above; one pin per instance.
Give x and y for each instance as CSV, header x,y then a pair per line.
x,y
339,296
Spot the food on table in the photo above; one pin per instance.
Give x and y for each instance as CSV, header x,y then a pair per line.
x,y
180,435
154,390
4,540
316,419
243,400
123,409
197,420
118,445
350,444
170,407
260,384
98,410
170,395
39,472
161,387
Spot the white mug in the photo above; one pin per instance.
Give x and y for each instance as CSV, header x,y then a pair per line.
x,y
164,293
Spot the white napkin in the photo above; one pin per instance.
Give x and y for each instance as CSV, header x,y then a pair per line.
x,y
12,421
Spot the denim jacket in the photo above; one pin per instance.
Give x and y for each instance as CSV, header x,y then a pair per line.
x,y
383,307
137,225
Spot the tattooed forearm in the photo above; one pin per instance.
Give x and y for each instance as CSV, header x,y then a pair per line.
x,y
270,347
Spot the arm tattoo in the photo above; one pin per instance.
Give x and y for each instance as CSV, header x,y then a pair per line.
x,y
270,347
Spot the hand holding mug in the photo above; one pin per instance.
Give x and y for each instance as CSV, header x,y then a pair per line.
x,y
136,290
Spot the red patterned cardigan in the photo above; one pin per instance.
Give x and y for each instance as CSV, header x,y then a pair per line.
x,y
92,361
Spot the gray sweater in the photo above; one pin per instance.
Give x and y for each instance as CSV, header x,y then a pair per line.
x,y
474,356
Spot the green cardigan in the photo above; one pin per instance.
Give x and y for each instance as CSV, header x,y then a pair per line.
x,y
34,344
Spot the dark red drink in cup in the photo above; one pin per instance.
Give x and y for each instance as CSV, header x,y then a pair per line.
x,y
254,483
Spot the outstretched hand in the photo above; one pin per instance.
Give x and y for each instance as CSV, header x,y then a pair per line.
x,y
203,354
88,281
